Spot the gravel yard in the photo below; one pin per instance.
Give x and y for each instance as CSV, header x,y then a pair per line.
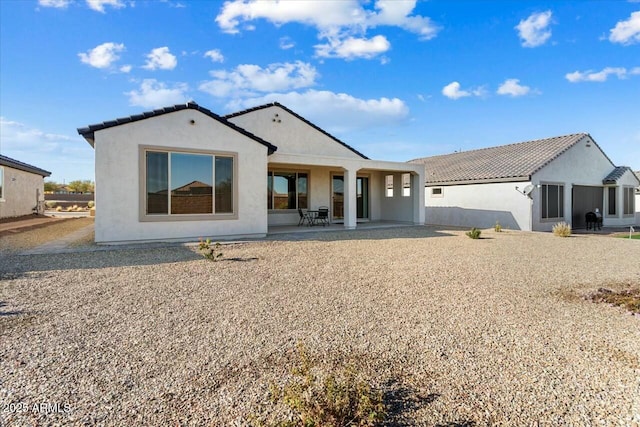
x,y
456,332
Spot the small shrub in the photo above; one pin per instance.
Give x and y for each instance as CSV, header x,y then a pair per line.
x,y
562,229
474,233
91,204
70,208
209,251
497,227
59,209
50,204
339,398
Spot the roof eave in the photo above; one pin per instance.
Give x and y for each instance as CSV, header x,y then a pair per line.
x,y
88,132
479,181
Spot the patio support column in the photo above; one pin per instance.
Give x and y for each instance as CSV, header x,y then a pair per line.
x,y
418,190
350,212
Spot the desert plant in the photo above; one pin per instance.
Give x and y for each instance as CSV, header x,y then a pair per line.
x,y
497,227
209,251
59,209
474,233
91,204
340,398
562,229
50,204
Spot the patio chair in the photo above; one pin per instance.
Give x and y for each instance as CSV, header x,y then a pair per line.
x,y
304,216
323,216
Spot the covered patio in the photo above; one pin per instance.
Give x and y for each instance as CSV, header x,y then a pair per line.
x,y
355,191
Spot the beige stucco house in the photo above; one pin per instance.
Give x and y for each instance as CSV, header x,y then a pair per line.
x,y
529,185
21,188
184,172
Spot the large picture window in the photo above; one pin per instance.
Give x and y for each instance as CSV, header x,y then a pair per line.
x,y
287,190
552,201
181,183
629,202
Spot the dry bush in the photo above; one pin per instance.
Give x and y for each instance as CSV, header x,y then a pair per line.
x,y
562,229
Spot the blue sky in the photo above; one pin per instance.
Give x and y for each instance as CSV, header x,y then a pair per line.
x,y
395,79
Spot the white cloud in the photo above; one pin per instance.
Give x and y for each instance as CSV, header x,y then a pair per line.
x,y
286,43
60,4
626,32
98,5
342,23
512,87
635,70
102,56
160,58
125,68
155,94
398,13
249,79
215,55
453,91
335,112
352,47
599,76
534,31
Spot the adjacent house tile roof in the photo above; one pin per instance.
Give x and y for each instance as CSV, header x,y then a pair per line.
x,y
89,131
277,104
616,174
15,164
505,163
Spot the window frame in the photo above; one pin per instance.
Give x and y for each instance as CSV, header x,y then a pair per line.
x,y
561,209
628,201
143,216
270,179
432,192
612,202
405,179
389,185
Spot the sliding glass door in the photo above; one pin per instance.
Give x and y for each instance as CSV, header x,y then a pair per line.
x,y
337,201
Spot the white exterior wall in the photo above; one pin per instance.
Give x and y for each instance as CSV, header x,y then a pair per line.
x,y
290,134
398,207
579,165
22,191
118,178
480,205
303,148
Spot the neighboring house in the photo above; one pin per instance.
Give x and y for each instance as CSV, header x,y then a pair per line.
x,y
183,172
529,186
21,188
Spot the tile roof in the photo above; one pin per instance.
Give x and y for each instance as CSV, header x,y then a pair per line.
x,y
319,129
505,163
89,131
15,164
616,174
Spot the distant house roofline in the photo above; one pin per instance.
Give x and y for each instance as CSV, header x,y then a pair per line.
x,y
293,113
514,162
15,164
88,132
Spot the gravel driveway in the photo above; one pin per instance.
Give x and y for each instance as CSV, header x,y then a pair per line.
x,y
455,331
